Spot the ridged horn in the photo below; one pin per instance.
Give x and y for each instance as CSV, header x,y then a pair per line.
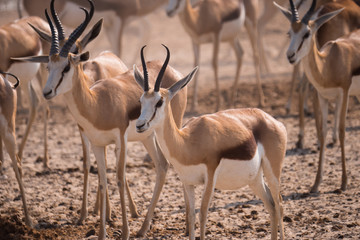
x,y
57,22
54,36
17,79
162,70
75,35
294,12
309,13
146,76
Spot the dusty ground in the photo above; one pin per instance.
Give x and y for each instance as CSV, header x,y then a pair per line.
x,y
54,196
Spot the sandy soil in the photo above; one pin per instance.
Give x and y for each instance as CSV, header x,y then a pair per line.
x,y
54,196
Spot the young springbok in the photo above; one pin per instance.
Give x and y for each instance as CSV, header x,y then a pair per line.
x,y
329,69
106,114
227,150
7,134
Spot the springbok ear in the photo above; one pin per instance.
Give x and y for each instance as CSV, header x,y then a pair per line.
x,y
139,78
92,34
37,59
82,57
285,11
174,89
45,36
326,17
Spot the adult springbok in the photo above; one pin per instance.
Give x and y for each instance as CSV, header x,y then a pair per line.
x,y
227,150
112,11
343,23
214,22
330,70
18,39
103,66
106,114
7,134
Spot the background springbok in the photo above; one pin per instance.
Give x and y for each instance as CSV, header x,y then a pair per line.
x,y
117,15
18,39
227,150
215,22
330,70
7,134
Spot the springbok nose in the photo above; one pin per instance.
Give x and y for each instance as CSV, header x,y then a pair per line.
x,y
46,94
290,57
140,126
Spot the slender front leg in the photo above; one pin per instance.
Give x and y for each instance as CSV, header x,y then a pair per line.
x,y
34,102
196,49
86,168
253,36
161,167
10,145
189,195
239,52
215,67
99,153
303,85
46,118
97,203
294,77
343,113
205,201
120,152
323,104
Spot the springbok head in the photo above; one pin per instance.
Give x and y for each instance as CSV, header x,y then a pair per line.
x,y
302,31
154,101
174,7
63,51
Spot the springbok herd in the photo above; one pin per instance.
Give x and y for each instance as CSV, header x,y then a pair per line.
x,y
111,104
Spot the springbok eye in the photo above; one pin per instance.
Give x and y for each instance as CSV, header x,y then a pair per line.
x,y
67,68
159,103
306,35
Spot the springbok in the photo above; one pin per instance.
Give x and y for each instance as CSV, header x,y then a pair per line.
x,y
105,65
215,22
17,39
346,21
329,69
105,113
7,134
124,10
227,150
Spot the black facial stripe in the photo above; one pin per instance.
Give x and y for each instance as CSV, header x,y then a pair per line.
x,y
60,81
66,69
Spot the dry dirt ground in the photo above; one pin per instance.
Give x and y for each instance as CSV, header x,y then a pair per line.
x,y
54,196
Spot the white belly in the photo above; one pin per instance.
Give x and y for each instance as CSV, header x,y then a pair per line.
x,y
229,31
234,174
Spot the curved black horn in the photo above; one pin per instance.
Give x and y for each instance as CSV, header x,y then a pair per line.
x,y
17,79
162,70
54,36
294,12
309,13
75,35
92,8
146,78
57,22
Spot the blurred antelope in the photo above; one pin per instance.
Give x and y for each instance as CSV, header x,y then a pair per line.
x,y
112,11
330,69
18,39
215,22
7,134
227,150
